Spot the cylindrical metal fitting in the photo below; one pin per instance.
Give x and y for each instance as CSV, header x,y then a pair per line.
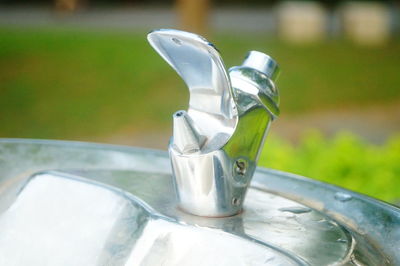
x,y
262,63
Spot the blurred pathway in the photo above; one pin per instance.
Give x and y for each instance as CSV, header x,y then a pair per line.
x,y
137,18
374,124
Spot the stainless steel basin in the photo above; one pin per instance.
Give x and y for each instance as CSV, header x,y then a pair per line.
x,y
71,203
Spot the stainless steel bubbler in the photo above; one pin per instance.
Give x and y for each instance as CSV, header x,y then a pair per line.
x,y
217,142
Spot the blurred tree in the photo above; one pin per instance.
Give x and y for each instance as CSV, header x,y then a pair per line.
x,y
193,14
246,3
66,5
69,5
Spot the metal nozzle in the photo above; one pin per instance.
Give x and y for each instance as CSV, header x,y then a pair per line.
x,y
186,138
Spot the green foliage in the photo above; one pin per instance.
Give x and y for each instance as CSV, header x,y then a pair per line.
x,y
345,160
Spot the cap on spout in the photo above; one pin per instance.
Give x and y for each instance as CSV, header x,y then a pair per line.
x,y
262,63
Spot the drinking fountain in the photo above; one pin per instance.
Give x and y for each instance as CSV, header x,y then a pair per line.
x,y
203,203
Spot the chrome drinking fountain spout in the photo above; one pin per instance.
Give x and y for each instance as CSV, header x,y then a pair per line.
x,y
217,142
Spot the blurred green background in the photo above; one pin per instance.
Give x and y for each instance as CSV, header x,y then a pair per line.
x,y
340,100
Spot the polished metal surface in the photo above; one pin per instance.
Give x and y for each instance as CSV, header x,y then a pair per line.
x,y
68,203
263,63
216,143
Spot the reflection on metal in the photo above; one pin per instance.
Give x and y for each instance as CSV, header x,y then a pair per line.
x,y
110,205
216,143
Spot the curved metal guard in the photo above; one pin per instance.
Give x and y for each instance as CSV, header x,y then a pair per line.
x,y
217,142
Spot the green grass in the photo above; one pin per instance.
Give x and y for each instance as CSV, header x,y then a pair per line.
x,y
345,160
69,84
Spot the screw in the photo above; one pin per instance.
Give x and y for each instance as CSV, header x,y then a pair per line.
x,y
179,113
240,166
235,201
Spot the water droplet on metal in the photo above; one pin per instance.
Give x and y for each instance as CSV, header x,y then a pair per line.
x,y
270,259
296,210
342,196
